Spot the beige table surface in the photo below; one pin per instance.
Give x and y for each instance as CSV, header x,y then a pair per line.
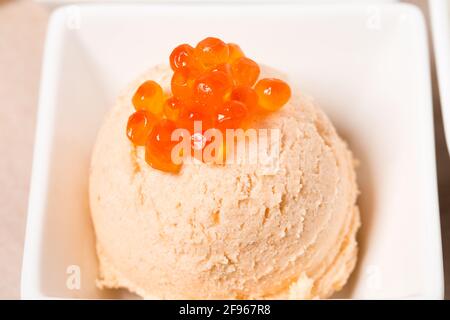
x,y
22,31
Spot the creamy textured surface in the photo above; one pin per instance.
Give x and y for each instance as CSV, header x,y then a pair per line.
x,y
227,232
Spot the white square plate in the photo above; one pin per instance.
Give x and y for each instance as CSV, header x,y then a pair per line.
x,y
440,22
366,65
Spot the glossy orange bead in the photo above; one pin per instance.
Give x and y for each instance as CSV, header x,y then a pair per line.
x,y
246,95
235,52
139,126
196,119
231,115
195,112
212,87
182,85
158,149
172,108
150,97
181,58
225,67
245,72
212,52
272,93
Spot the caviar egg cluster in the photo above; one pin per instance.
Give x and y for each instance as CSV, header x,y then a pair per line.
x,y
214,83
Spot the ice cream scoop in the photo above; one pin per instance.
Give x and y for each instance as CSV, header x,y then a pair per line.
x,y
227,231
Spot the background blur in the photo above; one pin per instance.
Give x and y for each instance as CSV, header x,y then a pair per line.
x,y
22,32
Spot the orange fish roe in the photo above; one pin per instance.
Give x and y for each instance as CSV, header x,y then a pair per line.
x,y
246,95
158,149
182,85
235,52
181,58
231,115
245,72
195,112
213,83
212,87
150,97
212,52
172,108
272,94
139,126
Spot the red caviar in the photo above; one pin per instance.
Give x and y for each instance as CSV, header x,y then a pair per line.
x,y
272,93
235,52
231,115
246,95
181,85
139,126
195,112
172,108
212,51
181,57
213,83
245,72
150,97
158,149
212,87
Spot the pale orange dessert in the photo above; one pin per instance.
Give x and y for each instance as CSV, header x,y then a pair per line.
x,y
221,229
